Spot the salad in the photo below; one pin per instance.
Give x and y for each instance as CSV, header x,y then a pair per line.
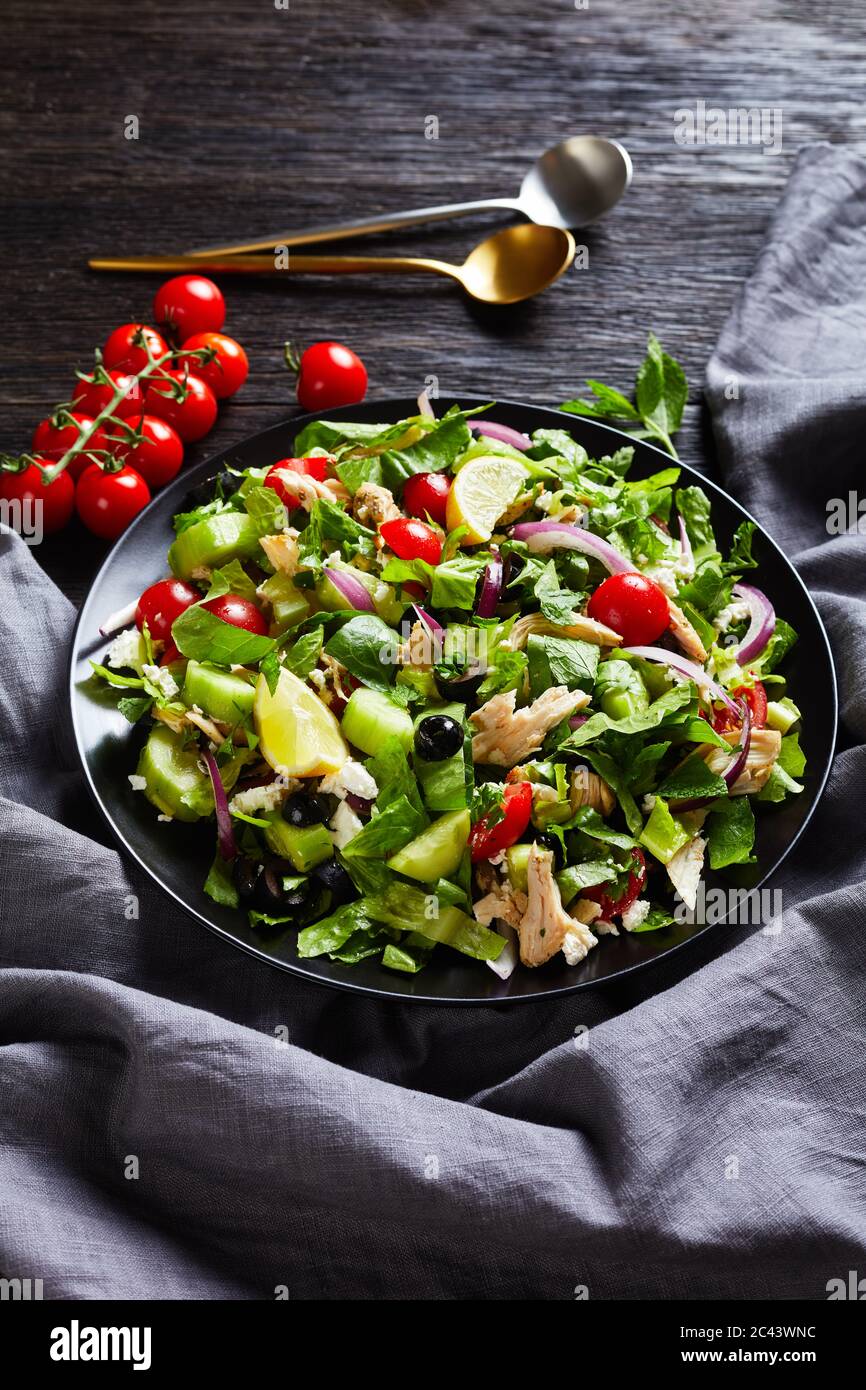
x,y
439,685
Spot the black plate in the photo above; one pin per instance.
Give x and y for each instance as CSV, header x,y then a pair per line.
x,y
178,856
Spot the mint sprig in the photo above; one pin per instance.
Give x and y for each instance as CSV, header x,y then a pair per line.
x,y
660,395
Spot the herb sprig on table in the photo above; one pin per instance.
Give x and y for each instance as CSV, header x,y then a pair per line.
x,y
660,395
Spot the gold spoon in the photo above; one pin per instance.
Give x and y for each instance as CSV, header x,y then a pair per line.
x,y
512,265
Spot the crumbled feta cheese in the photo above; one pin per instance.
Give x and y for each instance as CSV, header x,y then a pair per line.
x,y
647,804
670,572
161,677
735,612
334,558
577,942
345,825
137,783
266,798
318,679
543,500
603,928
127,649
166,818
352,777
497,858
636,914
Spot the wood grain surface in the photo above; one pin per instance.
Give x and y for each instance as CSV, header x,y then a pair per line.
x,y
254,117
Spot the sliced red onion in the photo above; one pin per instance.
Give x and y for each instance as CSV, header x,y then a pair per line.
x,y
225,829
544,536
352,590
762,625
427,619
491,586
735,766
686,546
576,720
361,805
504,433
424,406
122,618
684,667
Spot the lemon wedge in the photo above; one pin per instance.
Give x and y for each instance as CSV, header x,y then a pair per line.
x,y
482,490
298,734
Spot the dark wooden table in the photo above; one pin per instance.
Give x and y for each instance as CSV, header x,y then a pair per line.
x,y
253,117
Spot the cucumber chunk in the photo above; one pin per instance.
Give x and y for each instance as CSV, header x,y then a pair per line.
x,y
221,694
288,604
212,542
517,864
437,851
304,846
387,606
176,784
370,717
443,780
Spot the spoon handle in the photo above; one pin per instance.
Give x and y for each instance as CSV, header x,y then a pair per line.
x,y
265,265
364,226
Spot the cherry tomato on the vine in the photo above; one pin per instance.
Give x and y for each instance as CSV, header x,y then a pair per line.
x,y
45,505
225,373
91,397
486,841
107,502
161,604
316,467
633,606
190,304
239,612
123,352
191,417
426,494
330,375
412,540
599,892
49,442
158,456
725,721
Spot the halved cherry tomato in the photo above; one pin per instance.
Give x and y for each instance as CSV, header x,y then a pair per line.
x,y
316,467
616,906
190,304
161,604
91,397
239,612
52,443
107,502
159,455
330,375
193,416
484,842
633,606
170,654
49,505
412,540
225,373
123,352
725,721
426,494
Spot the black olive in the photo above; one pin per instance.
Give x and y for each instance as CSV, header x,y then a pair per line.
x,y
294,899
202,493
438,736
463,687
549,840
229,482
302,809
245,872
268,895
333,876
514,563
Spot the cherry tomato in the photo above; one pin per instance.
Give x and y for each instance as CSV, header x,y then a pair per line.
x,y
426,494
225,373
616,906
725,721
633,606
412,540
239,612
191,417
486,841
161,604
313,468
122,352
52,443
92,397
170,654
159,455
107,502
49,505
330,375
190,304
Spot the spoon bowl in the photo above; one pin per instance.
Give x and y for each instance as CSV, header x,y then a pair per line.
x,y
576,182
517,263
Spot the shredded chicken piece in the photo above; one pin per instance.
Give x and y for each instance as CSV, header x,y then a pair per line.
x,y
485,875
178,722
585,911
764,749
333,671
373,504
588,789
685,634
308,489
417,651
586,628
203,572
503,903
282,550
507,736
685,869
545,925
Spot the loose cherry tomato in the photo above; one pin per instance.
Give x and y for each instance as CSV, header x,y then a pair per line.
x,y
412,540
161,604
159,455
225,373
485,842
52,443
633,606
191,417
634,887
123,352
239,612
725,721
107,502
49,505
190,304
316,467
91,397
426,494
330,375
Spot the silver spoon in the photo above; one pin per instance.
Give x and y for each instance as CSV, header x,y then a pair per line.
x,y
570,185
